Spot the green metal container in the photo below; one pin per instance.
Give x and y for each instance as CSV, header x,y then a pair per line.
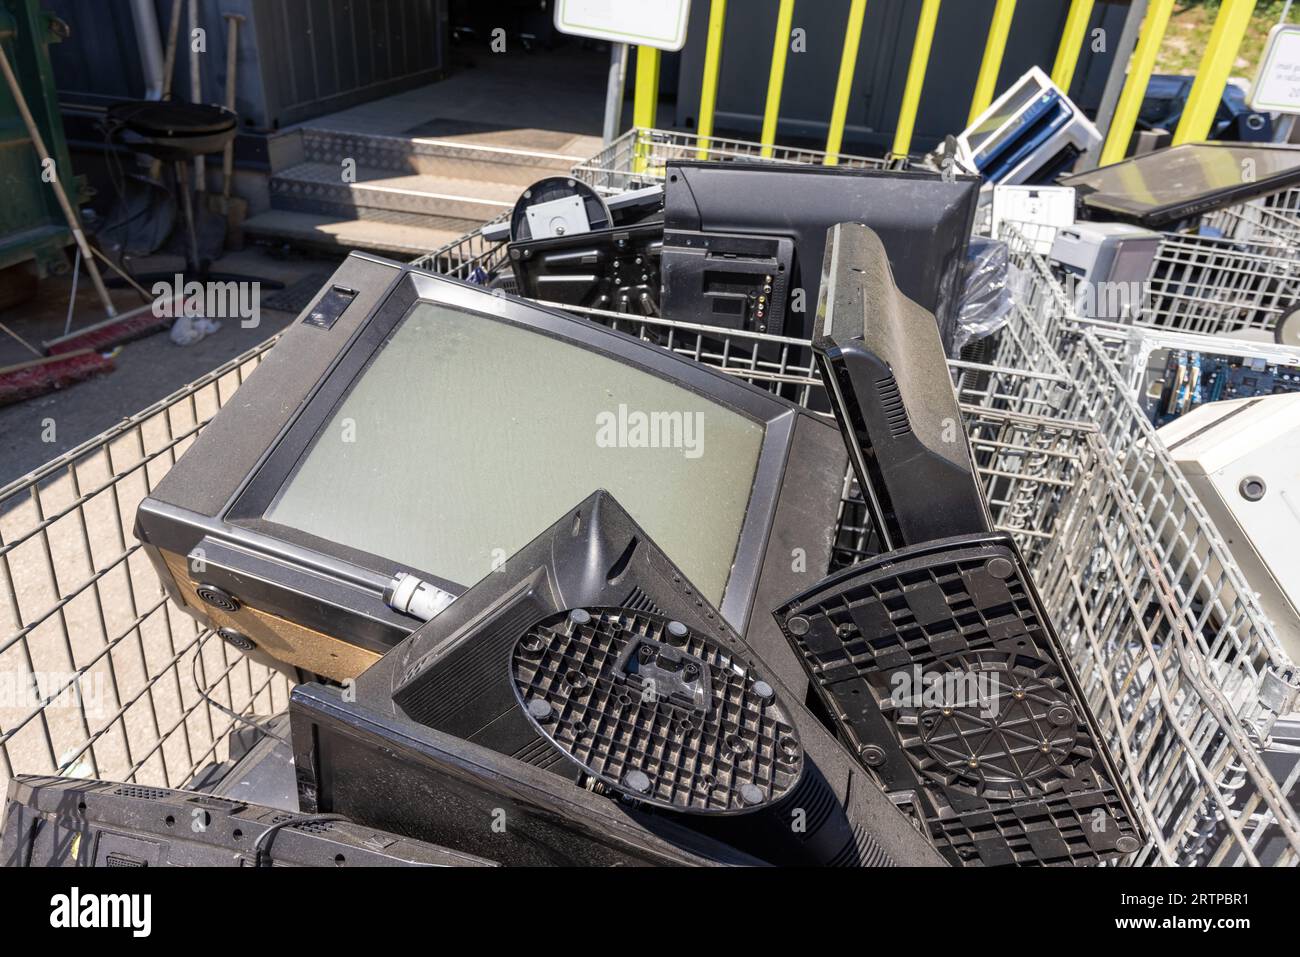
x,y
32,227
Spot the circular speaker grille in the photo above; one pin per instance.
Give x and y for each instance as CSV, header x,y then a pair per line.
x,y
217,598
995,725
657,711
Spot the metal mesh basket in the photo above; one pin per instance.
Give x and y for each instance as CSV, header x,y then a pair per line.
x,y
637,158
102,676
1175,657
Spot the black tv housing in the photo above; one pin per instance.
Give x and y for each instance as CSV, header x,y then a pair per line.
x,y
299,601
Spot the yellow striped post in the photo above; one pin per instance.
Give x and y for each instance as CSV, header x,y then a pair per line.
x,y
844,85
1140,69
645,102
994,49
780,49
1207,92
916,76
712,66
1076,31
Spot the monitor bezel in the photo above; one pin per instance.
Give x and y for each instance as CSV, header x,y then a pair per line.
x,y
244,513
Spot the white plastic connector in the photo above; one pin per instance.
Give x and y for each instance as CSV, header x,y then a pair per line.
x,y
416,597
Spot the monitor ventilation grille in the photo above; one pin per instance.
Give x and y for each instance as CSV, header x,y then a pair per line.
x,y
891,402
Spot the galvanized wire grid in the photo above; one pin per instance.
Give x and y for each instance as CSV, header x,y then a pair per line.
x,y
101,673
1170,643
1159,623
639,155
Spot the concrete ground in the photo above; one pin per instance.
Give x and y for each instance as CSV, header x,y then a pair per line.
x,y
146,370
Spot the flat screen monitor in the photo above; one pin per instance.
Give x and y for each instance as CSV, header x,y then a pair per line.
x,y
410,423
924,220
1166,187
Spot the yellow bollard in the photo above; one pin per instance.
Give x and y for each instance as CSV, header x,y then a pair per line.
x,y
645,102
1139,77
916,76
1212,76
1076,31
780,49
712,64
844,85
994,49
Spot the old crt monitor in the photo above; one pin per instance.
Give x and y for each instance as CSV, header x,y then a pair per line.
x,y
411,423
892,393
589,689
924,220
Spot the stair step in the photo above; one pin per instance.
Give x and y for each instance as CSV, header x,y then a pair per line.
x,y
438,157
403,241
388,196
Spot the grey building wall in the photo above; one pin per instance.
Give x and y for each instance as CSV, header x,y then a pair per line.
x,y
297,58
884,54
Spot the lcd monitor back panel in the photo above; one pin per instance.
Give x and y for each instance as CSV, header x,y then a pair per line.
x,y
924,220
893,397
943,672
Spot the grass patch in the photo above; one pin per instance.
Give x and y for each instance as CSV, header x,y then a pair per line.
x,y
1189,33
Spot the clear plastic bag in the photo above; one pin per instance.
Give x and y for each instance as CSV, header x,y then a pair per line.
x,y
986,298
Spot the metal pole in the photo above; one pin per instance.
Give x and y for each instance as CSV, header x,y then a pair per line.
x,y
645,101
994,50
614,90
709,83
916,77
844,85
196,95
1118,77
233,20
1212,75
1076,31
776,78
69,214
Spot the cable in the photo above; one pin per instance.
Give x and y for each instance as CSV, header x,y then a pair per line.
x,y
262,848
194,677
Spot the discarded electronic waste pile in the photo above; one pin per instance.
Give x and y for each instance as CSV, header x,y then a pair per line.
x,y
538,580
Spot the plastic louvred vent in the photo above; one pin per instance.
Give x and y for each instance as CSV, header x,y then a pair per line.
x,y
891,403
141,791
656,711
942,671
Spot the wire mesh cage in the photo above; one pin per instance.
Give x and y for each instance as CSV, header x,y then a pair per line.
x,y
638,157
1179,661
1176,659
102,675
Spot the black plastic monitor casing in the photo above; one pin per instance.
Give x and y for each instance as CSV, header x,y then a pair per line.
x,y
434,738
615,269
735,281
925,220
72,822
205,516
1005,761
1119,192
892,393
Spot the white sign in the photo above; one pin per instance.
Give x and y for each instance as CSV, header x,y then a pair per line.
x,y
652,23
1277,88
